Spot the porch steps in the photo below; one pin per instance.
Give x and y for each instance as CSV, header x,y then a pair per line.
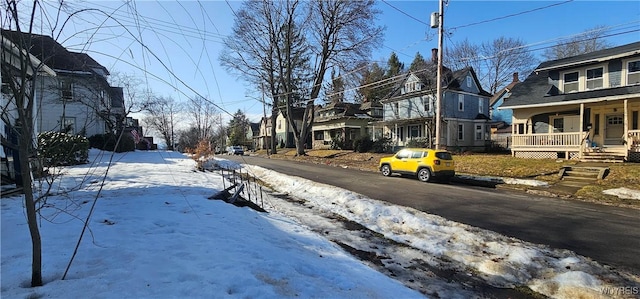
x,y
580,176
608,157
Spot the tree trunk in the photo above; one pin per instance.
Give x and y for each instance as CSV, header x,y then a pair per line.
x,y
30,205
300,147
274,116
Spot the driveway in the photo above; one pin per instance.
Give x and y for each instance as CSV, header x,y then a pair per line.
x,y
607,234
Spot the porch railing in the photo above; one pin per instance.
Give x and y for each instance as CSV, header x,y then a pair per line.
x,y
557,141
633,140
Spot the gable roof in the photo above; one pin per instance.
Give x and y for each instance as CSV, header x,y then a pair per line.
x,y
539,90
452,80
457,78
52,53
593,57
502,92
15,54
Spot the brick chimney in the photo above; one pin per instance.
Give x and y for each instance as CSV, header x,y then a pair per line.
x,y
434,55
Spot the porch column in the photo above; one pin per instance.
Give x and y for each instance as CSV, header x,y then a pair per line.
x,y
626,125
580,146
373,132
396,134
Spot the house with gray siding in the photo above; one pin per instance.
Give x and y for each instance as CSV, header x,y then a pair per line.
x,y
78,99
409,111
581,107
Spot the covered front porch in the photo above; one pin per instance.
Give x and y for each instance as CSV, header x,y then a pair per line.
x,y
606,128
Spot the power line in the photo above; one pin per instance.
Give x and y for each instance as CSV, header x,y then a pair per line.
x,y
204,35
404,13
510,15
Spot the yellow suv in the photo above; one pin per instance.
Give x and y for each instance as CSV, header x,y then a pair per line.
x,y
421,162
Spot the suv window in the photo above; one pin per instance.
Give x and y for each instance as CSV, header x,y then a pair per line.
x,y
444,156
416,155
403,154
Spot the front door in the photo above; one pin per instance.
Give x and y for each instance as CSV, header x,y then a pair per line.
x,y
614,129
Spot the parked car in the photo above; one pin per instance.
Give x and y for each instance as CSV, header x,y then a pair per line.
x,y
421,162
235,150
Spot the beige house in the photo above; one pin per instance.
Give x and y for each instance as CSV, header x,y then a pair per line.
x,y
284,130
344,122
581,107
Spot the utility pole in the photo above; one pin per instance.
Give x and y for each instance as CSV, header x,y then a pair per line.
x,y
439,74
263,123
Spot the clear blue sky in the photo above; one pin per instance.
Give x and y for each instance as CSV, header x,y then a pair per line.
x,y
186,36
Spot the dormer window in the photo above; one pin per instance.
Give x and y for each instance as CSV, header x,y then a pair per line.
x,y
595,78
412,86
633,72
571,83
469,81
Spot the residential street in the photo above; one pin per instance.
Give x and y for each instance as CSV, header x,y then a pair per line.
x,y
606,234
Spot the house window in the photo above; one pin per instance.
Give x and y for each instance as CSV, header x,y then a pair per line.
x,y
478,132
570,82
634,120
468,81
353,134
558,125
460,132
460,102
411,86
414,131
68,125
596,126
400,133
594,78
426,101
319,135
480,106
66,90
396,109
520,129
279,124
614,120
633,72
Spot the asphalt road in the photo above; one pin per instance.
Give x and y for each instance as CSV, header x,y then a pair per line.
x,y
607,234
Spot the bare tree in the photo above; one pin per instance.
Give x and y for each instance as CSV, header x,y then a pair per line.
x,y
203,115
588,41
19,72
494,62
293,44
505,56
251,50
463,54
136,97
161,116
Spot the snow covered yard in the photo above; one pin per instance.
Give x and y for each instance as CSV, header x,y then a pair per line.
x,y
155,235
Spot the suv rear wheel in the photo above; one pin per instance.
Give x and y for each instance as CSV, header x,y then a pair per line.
x,y
386,170
424,175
